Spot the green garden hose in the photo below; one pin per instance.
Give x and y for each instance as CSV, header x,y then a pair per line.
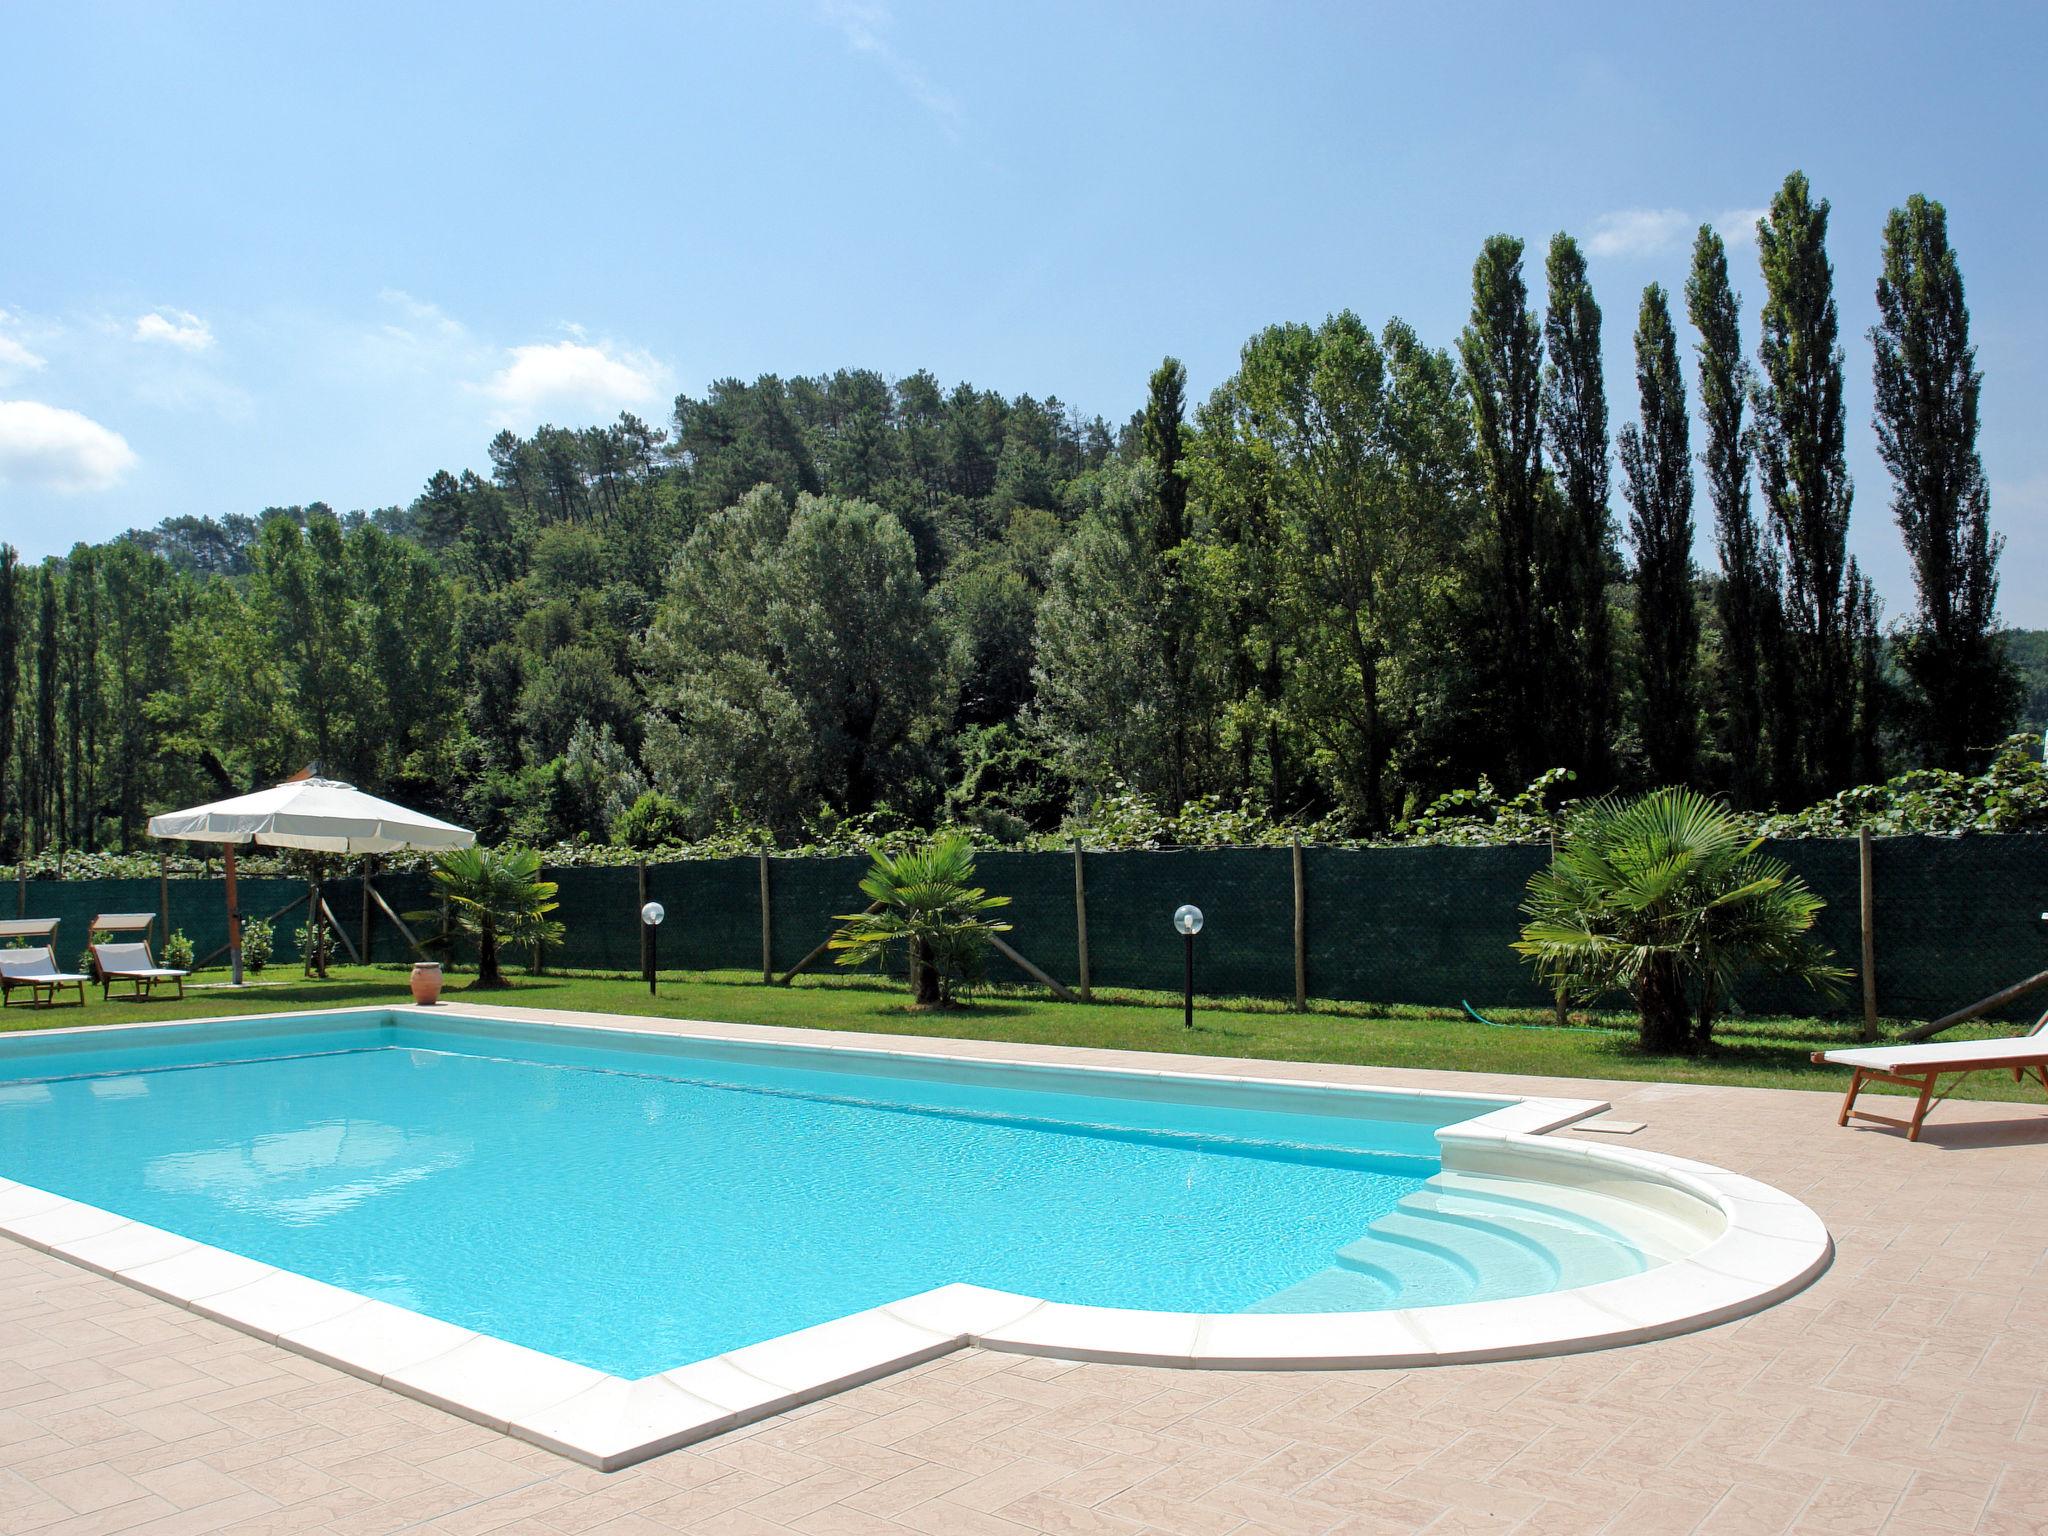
x,y
1496,1024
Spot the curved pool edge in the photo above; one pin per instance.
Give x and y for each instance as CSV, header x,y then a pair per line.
x,y
1769,1246
1764,1247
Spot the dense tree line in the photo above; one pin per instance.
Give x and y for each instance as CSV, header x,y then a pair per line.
x,y
1365,571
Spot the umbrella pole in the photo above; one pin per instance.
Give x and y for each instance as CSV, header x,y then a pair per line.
x,y
234,919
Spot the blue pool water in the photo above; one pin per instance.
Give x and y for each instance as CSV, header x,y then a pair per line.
x,y
635,1204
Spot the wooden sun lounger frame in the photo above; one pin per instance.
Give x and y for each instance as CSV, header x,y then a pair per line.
x,y
42,987
145,982
2029,1057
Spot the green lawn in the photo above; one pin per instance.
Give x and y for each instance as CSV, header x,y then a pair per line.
x,y
1763,1052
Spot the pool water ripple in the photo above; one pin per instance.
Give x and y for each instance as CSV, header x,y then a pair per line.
x,y
632,1221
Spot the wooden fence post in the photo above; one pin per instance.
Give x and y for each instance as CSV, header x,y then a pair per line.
x,y
646,936
1300,931
21,888
1081,924
1867,890
363,922
767,926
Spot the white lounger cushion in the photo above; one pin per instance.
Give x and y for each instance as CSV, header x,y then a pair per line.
x,y
131,960
1905,1058
33,965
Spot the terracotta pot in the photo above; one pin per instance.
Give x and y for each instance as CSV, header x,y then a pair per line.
x,y
426,983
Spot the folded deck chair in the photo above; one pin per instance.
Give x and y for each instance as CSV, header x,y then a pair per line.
x,y
1921,1066
133,963
35,970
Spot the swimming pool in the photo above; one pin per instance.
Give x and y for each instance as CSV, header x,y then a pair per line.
x,y
631,1205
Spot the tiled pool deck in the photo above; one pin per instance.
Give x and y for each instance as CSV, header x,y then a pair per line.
x,y
1906,1391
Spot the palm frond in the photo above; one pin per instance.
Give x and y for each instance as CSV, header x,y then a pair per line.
x,y
1667,891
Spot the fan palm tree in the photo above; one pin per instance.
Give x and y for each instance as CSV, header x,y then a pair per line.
x,y
497,896
923,898
1669,899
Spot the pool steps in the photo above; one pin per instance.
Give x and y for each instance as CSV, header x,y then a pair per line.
x,y
1476,1237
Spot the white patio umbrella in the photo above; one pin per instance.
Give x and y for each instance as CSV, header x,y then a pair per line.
x,y
323,815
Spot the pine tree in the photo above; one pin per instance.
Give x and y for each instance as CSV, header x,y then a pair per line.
x,y
1656,461
1747,600
1502,352
1575,552
1964,694
1805,477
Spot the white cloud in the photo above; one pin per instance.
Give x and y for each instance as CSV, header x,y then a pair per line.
x,y
422,319
1639,231
415,351
864,23
15,357
1738,225
59,450
575,376
174,327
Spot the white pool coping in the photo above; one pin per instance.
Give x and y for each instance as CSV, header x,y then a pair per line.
x,y
1759,1246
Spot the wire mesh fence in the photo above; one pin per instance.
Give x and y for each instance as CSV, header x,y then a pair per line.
x,y
1953,919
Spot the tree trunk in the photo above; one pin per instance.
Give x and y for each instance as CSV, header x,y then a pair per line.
x,y
1666,1022
924,977
315,957
487,973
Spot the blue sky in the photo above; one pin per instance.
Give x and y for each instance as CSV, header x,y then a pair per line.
x,y
265,254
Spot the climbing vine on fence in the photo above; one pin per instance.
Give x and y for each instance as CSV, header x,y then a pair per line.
x,y
2009,796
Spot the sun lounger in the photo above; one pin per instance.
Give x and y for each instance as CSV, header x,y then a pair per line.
x,y
1921,1066
133,963
36,971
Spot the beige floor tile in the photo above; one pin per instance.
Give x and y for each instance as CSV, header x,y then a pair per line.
x,y
1902,1392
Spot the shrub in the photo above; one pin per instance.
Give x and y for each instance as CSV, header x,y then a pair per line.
x,y
1667,899
923,900
652,821
308,936
258,940
179,951
85,967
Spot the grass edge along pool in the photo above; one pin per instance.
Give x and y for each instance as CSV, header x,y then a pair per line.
x,y
584,1413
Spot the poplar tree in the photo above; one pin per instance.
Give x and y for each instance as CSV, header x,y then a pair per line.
x,y
1575,547
1161,439
49,782
1805,477
1964,695
1162,442
1866,659
84,705
10,691
1746,599
1656,461
1502,352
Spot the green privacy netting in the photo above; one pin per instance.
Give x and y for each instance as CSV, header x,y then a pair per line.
x,y
1956,918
